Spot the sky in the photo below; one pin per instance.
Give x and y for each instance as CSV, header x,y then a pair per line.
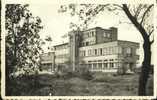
x,y
57,24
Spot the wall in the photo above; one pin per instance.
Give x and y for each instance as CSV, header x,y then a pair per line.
x,y
61,53
47,61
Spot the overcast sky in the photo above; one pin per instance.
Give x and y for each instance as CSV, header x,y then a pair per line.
x,y
57,24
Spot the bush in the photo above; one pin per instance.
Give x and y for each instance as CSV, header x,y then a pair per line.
x,y
83,72
23,85
122,70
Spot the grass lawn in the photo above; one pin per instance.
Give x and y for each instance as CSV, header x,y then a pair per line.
x,y
101,85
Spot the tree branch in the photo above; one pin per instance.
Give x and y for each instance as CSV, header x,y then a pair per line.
x,y
146,13
137,12
151,42
118,6
151,32
139,27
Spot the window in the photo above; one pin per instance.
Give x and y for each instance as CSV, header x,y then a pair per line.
x,y
119,50
94,66
137,51
111,65
100,65
100,51
105,60
84,53
105,51
87,43
88,34
108,35
105,65
89,52
128,50
105,34
95,51
89,61
90,66
110,50
114,50
92,33
111,59
82,44
92,42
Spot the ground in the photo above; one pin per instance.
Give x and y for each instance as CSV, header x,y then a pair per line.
x,y
101,85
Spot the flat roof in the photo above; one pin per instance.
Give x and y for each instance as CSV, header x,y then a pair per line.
x,y
123,41
61,44
95,28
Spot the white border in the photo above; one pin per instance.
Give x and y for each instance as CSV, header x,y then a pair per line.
x,y
66,2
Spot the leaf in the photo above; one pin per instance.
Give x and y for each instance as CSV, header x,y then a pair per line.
x,y
25,39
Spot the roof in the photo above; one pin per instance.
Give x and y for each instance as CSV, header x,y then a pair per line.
x,y
93,28
98,28
128,41
61,44
117,41
46,53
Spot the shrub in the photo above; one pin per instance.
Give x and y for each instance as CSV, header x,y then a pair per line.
x,y
83,72
122,70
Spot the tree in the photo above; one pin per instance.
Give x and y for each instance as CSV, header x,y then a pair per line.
x,y
48,39
23,43
139,15
146,31
0,37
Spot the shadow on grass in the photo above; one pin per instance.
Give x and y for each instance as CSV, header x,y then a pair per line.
x,y
100,85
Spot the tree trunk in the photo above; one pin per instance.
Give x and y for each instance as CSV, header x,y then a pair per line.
x,y
144,75
147,52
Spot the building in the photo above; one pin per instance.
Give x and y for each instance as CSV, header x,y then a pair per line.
x,y
47,61
96,48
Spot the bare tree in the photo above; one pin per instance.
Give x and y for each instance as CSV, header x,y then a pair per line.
x,y
146,30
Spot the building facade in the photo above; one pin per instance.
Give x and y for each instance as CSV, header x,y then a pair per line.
x,y
98,49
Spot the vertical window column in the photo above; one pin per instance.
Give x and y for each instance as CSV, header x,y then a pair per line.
x,y
92,66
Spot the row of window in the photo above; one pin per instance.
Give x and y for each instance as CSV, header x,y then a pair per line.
x,y
92,33
101,51
88,34
87,43
103,61
110,65
106,51
62,56
107,35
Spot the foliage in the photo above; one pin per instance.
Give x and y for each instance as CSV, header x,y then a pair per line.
x,y
49,40
23,86
105,77
122,70
127,85
23,43
83,72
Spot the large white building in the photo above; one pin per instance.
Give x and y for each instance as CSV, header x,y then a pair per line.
x,y
96,48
